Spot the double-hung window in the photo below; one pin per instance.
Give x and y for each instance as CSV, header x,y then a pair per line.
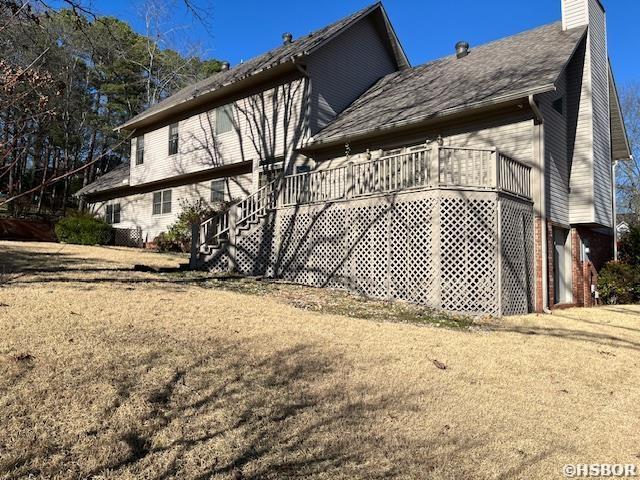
x,y
162,202
112,213
217,190
173,139
224,119
140,150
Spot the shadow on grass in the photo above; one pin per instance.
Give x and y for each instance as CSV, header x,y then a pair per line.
x,y
221,412
582,335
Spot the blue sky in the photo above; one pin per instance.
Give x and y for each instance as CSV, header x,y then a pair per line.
x,y
428,29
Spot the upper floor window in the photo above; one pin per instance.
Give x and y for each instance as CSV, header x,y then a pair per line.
x,y
140,150
224,119
173,139
558,105
112,213
162,202
217,190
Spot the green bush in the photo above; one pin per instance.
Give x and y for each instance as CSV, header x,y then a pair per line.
x,y
629,246
84,229
619,283
178,237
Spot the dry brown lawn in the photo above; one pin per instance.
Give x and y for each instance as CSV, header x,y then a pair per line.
x,y
110,373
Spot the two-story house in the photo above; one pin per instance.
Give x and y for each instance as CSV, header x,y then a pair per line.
x,y
481,182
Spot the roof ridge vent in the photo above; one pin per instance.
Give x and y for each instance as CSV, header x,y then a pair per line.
x,y
462,49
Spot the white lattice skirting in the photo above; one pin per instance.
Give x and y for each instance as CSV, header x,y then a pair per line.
x,y
461,251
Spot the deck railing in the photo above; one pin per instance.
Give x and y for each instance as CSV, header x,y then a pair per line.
x,y
318,186
421,167
431,166
514,177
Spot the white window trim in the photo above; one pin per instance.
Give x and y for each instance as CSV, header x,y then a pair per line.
x,y
221,108
162,202
106,211
135,160
222,181
177,124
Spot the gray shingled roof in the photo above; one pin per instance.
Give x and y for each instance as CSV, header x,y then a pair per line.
x,y
518,65
116,178
299,47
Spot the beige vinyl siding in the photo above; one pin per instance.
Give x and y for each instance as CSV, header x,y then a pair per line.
x,y
601,115
265,125
511,134
344,69
589,126
580,137
556,153
136,211
574,13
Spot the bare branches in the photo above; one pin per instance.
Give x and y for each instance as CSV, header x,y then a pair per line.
x,y
628,172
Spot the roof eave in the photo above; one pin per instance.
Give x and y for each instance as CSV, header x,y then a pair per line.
x,y
622,125
143,120
418,121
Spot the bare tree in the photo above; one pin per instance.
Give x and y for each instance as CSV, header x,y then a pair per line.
x,y
628,172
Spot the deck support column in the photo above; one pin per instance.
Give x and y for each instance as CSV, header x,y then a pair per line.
x,y
195,245
232,250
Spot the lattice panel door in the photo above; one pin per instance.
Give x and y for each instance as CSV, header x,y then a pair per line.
x,y
291,251
369,250
414,269
517,257
468,250
254,249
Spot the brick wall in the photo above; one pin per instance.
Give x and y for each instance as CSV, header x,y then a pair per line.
x,y
537,249
584,273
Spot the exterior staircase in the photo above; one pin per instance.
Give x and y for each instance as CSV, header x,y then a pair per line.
x,y
421,168
215,238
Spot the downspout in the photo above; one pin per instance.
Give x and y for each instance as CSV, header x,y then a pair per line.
x,y
539,120
614,213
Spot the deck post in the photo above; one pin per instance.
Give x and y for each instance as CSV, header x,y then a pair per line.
x,y
350,186
435,165
195,245
232,251
496,169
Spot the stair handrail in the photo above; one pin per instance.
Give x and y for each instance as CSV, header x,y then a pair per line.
x,y
258,203
248,208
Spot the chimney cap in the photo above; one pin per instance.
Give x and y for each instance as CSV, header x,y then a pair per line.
x,y
462,49
287,38
224,66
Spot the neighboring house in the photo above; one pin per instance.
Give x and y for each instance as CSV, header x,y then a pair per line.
x,y
622,228
480,182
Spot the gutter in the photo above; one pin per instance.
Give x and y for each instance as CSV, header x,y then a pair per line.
x,y
543,206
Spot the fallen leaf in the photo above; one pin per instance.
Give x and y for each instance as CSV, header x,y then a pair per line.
x,y
439,364
22,357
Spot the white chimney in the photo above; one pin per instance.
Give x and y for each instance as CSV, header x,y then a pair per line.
x,y
575,13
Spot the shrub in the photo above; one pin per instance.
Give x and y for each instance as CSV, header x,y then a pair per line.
x,y
619,283
178,237
629,246
84,229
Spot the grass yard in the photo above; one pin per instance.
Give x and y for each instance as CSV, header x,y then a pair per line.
x,y
107,372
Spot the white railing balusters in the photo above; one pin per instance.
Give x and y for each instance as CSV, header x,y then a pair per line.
x,y
430,166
